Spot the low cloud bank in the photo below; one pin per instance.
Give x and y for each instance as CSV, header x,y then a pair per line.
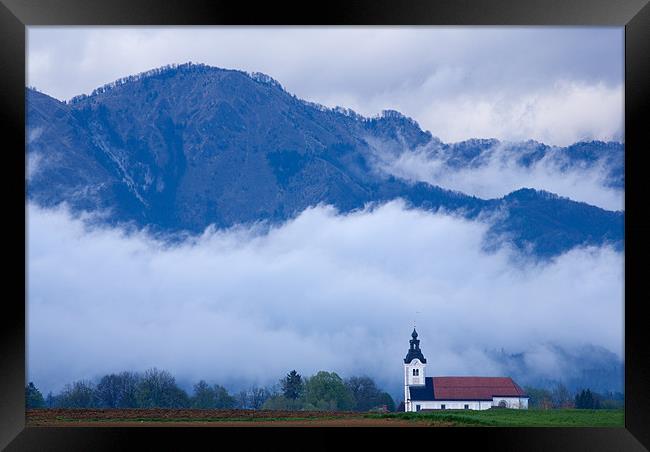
x,y
323,291
499,174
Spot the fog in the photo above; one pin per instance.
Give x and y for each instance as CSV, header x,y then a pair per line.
x,y
499,173
324,291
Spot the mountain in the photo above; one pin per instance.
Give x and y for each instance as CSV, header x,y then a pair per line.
x,y
179,148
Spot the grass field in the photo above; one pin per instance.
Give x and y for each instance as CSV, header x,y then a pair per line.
x,y
217,418
519,418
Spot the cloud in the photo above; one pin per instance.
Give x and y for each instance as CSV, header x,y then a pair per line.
x,y
324,291
498,173
552,84
561,114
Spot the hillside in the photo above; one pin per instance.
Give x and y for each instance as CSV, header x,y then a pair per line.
x,y
181,148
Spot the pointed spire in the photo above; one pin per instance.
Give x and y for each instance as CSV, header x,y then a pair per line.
x,y
414,351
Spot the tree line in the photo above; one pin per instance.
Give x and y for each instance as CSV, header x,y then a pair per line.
x,y
169,68
158,389
561,397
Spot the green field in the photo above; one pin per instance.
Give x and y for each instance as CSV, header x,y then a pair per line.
x,y
518,418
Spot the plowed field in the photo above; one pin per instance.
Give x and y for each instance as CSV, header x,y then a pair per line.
x,y
208,418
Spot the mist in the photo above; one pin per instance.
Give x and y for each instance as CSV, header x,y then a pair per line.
x,y
324,291
498,173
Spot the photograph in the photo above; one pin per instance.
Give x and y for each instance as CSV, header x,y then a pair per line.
x,y
325,226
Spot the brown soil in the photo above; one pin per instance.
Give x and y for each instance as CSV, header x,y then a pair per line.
x,y
207,418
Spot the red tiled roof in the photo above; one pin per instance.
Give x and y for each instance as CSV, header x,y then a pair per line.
x,y
475,388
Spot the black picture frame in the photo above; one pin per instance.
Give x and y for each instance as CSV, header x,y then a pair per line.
x,y
15,15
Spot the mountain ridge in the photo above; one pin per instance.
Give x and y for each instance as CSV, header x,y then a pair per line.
x,y
183,147
269,80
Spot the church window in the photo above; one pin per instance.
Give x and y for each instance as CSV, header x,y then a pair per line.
x,y
466,406
443,406
416,372
417,407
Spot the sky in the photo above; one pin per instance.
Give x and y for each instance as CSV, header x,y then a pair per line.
x,y
557,85
327,291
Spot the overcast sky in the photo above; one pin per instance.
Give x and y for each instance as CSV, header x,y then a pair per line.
x,y
555,85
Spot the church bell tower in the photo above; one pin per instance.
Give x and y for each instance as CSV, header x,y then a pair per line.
x,y
414,365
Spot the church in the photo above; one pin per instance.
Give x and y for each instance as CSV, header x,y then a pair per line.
x,y
455,393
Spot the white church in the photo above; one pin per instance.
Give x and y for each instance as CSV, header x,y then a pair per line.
x,y
455,393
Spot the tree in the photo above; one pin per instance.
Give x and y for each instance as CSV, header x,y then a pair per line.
x,y
80,394
587,400
33,397
50,400
280,402
386,399
129,382
204,396
158,389
257,397
118,390
222,399
321,405
242,400
366,394
610,400
561,397
326,390
539,397
581,399
108,391
292,385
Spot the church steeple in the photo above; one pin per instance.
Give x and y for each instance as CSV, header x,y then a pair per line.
x,y
414,352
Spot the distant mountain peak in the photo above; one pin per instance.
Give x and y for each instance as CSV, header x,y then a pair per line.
x,y
396,115
531,193
183,147
266,79
155,72
259,77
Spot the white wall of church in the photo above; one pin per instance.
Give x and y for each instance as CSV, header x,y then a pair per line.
x,y
451,404
512,402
